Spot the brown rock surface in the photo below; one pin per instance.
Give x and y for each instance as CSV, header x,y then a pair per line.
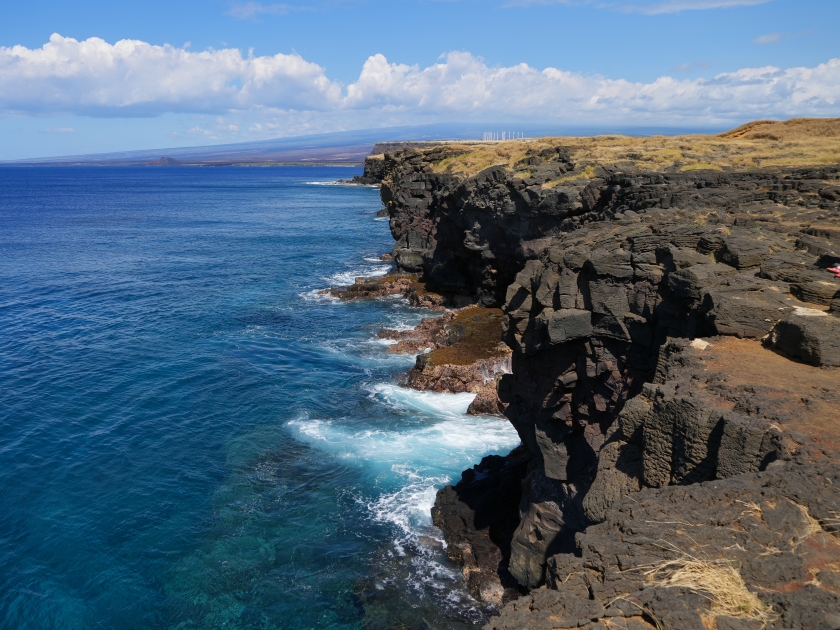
x,y
755,551
463,353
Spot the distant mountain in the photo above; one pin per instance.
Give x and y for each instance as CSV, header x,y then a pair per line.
x,y
344,147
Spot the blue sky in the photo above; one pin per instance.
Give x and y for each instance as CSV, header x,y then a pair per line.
x,y
217,71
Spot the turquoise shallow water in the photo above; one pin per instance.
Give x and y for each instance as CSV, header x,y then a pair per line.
x,y
191,437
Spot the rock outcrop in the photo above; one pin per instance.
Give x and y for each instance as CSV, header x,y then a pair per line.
x,y
392,284
478,516
674,336
374,171
460,351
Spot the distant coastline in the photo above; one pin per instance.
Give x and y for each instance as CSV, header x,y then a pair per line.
x,y
346,148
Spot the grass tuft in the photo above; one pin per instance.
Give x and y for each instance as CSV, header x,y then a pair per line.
x,y
718,580
831,524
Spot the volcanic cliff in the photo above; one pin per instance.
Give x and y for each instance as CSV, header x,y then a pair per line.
x,y
675,337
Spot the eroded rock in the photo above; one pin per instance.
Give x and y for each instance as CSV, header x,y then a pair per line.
x,y
635,305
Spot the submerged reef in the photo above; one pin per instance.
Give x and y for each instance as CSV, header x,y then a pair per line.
x,y
673,332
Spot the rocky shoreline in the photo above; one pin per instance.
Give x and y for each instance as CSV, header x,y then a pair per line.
x,y
674,339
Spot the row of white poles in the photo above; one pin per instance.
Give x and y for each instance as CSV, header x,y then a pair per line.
x,y
503,135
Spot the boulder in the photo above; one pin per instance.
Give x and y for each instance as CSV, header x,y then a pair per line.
x,y
821,292
813,338
478,516
409,260
747,310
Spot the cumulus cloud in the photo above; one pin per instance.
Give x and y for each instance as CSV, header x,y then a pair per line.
x,y
464,85
133,78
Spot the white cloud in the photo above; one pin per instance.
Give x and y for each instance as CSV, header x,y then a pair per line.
x,y
198,131
273,93
132,77
60,130
463,85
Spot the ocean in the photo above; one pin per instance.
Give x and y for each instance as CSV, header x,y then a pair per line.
x,y
190,435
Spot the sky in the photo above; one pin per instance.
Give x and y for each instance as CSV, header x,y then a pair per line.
x,y
93,76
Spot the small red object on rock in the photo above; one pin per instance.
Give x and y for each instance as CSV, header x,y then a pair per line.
x,y
835,271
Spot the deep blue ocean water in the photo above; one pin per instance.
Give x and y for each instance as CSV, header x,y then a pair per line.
x,y
192,437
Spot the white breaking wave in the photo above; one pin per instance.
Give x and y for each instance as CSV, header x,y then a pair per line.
x,y
340,183
409,508
433,447
317,295
420,458
413,459
433,403
346,278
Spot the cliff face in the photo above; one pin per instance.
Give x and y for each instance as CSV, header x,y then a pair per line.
x,y
473,235
466,235
626,295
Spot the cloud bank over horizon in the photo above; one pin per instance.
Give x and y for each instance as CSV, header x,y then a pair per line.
x,y
132,78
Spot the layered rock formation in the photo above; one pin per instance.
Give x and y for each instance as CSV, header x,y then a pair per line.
x,y
674,334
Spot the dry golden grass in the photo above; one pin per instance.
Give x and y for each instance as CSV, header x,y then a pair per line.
x,y
793,129
796,142
716,579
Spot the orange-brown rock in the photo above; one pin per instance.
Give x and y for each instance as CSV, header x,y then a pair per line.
x,y
462,352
